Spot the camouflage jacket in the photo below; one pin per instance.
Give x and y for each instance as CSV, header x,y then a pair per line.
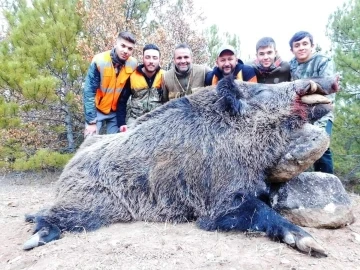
x,y
146,93
317,66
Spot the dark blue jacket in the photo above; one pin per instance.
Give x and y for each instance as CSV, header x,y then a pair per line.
x,y
247,73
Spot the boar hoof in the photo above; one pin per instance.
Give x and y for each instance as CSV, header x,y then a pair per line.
x,y
43,236
306,244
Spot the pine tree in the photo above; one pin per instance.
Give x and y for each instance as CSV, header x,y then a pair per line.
x,y
42,70
344,32
48,49
213,38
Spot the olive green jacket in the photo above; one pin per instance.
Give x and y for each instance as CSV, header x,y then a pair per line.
x,y
172,87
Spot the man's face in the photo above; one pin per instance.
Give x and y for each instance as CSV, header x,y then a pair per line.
x,y
151,59
302,49
182,59
124,49
266,56
226,62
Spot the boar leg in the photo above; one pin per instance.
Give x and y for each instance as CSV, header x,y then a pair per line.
x,y
44,232
85,215
248,213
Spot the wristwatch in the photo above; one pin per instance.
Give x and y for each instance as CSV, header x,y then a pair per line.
x,y
93,122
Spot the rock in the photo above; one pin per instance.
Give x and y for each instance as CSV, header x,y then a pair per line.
x,y
313,199
305,147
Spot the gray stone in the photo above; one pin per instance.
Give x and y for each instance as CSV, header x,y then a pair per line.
x,y
313,199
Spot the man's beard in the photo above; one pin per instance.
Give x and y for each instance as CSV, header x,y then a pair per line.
x,y
183,71
147,70
230,72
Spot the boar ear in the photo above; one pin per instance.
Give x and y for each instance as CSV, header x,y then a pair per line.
x,y
231,94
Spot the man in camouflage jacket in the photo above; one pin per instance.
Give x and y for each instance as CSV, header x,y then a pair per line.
x,y
307,64
144,92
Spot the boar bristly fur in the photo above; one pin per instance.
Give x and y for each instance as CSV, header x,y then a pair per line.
x,y
202,157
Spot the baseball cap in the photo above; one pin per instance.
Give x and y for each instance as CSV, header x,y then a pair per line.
x,y
226,48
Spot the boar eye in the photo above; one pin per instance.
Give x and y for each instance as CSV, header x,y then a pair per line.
x,y
258,91
262,93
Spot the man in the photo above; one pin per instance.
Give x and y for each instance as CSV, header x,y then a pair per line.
x,y
228,64
185,76
268,65
145,91
106,78
307,64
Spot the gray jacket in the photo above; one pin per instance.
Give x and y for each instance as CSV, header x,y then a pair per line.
x,y
317,66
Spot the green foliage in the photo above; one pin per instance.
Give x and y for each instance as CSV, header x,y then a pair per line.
x,y
10,150
47,52
41,63
23,141
44,159
40,90
214,42
8,114
346,138
344,32
137,10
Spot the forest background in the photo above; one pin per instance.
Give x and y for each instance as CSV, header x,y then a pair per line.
x,y
49,44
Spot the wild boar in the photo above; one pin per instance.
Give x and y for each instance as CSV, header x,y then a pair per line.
x,y
202,158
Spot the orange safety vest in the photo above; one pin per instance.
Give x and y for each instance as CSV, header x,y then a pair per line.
x,y
107,95
215,79
138,81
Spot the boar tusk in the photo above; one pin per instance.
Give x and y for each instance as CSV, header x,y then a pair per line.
x,y
313,86
315,99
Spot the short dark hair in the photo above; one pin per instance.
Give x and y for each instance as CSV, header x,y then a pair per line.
x,y
151,47
183,46
127,36
265,42
299,36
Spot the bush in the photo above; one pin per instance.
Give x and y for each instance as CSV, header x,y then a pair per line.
x,y
44,159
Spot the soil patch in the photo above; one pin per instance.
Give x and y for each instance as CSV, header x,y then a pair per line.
x,y
143,245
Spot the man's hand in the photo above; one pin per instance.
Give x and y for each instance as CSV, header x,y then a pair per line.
x,y
123,128
90,129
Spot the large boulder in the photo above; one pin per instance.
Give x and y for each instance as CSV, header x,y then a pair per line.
x,y
313,199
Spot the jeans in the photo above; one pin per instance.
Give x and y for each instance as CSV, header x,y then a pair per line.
x,y
325,163
109,120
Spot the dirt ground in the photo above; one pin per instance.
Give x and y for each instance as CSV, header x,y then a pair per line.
x,y
143,245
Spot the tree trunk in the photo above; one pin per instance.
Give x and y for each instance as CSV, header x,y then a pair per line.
x,y
69,129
